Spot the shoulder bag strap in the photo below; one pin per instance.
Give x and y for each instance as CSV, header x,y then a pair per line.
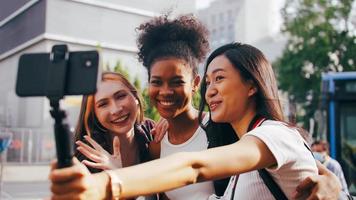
x,y
272,185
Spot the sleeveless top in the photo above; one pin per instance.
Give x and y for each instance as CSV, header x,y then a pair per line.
x,y
198,142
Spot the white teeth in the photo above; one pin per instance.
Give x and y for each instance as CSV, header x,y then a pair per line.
x,y
121,119
167,103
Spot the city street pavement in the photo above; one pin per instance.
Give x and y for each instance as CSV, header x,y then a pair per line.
x,y
25,190
25,182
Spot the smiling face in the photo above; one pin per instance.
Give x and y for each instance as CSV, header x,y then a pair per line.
x,y
115,106
228,94
171,87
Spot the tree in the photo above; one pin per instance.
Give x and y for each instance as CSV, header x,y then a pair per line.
x,y
119,68
321,38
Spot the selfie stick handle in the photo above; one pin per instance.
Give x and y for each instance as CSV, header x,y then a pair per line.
x,y
62,136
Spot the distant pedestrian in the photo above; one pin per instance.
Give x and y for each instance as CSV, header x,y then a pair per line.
x,y
320,150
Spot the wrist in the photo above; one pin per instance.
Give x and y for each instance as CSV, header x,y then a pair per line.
x,y
114,185
103,185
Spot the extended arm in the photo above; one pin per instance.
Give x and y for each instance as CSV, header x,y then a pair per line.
x,y
173,171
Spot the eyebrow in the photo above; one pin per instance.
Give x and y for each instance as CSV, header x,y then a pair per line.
x,y
103,99
175,77
216,71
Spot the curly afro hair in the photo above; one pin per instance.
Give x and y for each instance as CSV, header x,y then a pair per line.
x,y
184,37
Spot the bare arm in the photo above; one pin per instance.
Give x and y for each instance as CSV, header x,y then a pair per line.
x,y
177,170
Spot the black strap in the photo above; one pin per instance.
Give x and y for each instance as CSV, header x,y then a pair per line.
x,y
233,189
272,185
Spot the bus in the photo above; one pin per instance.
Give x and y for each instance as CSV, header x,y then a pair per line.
x,y
339,101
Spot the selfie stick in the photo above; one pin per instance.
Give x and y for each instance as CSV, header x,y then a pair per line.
x,y
57,79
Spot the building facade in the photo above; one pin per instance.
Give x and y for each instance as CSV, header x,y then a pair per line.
x,y
249,21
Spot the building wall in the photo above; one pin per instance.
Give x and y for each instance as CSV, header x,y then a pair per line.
x,y
221,18
247,21
158,6
18,112
105,25
10,6
23,27
259,17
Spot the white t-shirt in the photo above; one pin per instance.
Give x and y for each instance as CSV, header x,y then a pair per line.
x,y
294,163
198,142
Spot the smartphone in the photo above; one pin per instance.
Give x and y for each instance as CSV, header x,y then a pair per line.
x,y
35,78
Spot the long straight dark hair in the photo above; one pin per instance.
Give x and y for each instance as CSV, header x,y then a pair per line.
x,y
252,65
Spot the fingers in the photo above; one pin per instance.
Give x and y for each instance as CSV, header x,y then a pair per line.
x,y
88,148
54,164
321,168
305,186
160,130
116,147
66,180
317,193
93,143
89,154
67,174
66,187
94,165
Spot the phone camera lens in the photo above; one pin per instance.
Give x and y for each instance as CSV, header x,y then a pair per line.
x,y
88,63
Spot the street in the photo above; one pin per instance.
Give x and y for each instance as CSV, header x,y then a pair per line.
x,y
25,190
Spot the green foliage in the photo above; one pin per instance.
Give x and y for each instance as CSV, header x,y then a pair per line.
x,y
119,68
150,111
196,99
137,83
321,39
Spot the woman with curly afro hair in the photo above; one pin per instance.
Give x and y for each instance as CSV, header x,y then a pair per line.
x,y
171,50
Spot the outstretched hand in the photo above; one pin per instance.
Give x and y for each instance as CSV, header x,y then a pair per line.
x,y
160,129
324,186
100,158
76,182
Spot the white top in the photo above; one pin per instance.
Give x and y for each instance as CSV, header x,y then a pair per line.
x,y
198,142
294,163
